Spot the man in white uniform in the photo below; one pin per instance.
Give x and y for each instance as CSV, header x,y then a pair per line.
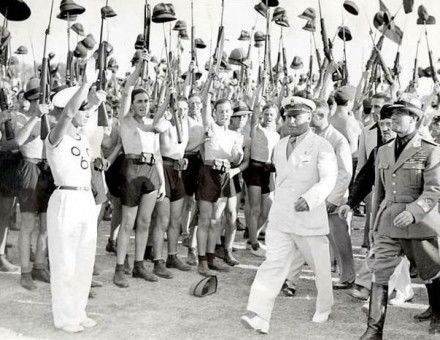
x,y
71,214
298,225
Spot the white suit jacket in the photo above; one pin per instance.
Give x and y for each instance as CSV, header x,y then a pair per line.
x,y
309,172
339,143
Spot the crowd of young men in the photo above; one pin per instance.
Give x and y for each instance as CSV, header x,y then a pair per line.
x,y
178,166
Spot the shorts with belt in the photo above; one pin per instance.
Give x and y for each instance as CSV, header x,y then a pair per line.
x,y
214,184
138,179
261,175
35,183
9,162
113,176
190,176
174,187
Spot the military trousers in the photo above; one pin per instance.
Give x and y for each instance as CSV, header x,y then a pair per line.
x,y
387,251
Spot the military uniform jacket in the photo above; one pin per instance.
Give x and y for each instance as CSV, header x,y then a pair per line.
x,y
411,183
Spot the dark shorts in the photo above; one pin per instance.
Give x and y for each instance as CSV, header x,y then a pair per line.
x,y
387,251
259,175
98,187
237,180
138,179
191,175
174,188
36,184
113,177
214,184
9,162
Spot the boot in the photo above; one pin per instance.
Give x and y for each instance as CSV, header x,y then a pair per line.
x,y
139,271
434,299
203,267
6,266
230,259
377,312
39,273
174,262
111,246
127,267
160,270
148,255
214,263
424,316
119,279
27,282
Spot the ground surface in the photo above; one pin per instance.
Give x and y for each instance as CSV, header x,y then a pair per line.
x,y
165,310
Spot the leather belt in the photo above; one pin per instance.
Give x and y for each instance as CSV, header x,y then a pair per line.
x,y
399,199
67,187
143,158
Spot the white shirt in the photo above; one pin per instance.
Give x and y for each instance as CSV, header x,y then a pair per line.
x,y
69,161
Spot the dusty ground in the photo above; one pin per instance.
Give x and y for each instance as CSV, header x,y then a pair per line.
x,y
165,310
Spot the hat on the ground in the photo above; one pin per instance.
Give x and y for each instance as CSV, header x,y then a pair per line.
x,y
78,29
345,92
308,14
240,109
297,63
32,89
351,7
204,287
163,12
244,35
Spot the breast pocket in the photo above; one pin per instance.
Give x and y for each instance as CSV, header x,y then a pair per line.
x,y
414,172
382,166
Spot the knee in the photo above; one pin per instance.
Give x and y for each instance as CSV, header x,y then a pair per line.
x,y
255,210
127,224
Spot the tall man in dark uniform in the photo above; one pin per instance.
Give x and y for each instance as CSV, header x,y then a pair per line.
x,y
407,191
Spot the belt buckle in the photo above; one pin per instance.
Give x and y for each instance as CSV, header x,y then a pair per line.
x,y
145,160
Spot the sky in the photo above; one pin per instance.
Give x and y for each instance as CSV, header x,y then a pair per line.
x,y
121,31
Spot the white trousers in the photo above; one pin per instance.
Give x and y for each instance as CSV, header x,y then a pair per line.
x,y
282,249
71,227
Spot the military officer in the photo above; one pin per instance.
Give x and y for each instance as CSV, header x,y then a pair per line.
x,y
407,191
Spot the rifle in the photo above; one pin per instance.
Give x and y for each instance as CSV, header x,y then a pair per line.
x,y
172,103
325,41
147,30
286,74
44,82
102,111
192,73
415,77
431,64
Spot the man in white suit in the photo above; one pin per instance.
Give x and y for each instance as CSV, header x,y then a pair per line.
x,y
306,170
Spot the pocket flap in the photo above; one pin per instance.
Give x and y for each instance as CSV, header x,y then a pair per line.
x,y
413,166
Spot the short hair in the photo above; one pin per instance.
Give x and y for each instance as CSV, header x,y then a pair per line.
x,y
220,102
269,105
331,101
182,99
381,95
321,105
137,91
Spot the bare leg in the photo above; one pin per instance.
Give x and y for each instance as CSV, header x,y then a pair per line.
x,y
174,226
143,221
